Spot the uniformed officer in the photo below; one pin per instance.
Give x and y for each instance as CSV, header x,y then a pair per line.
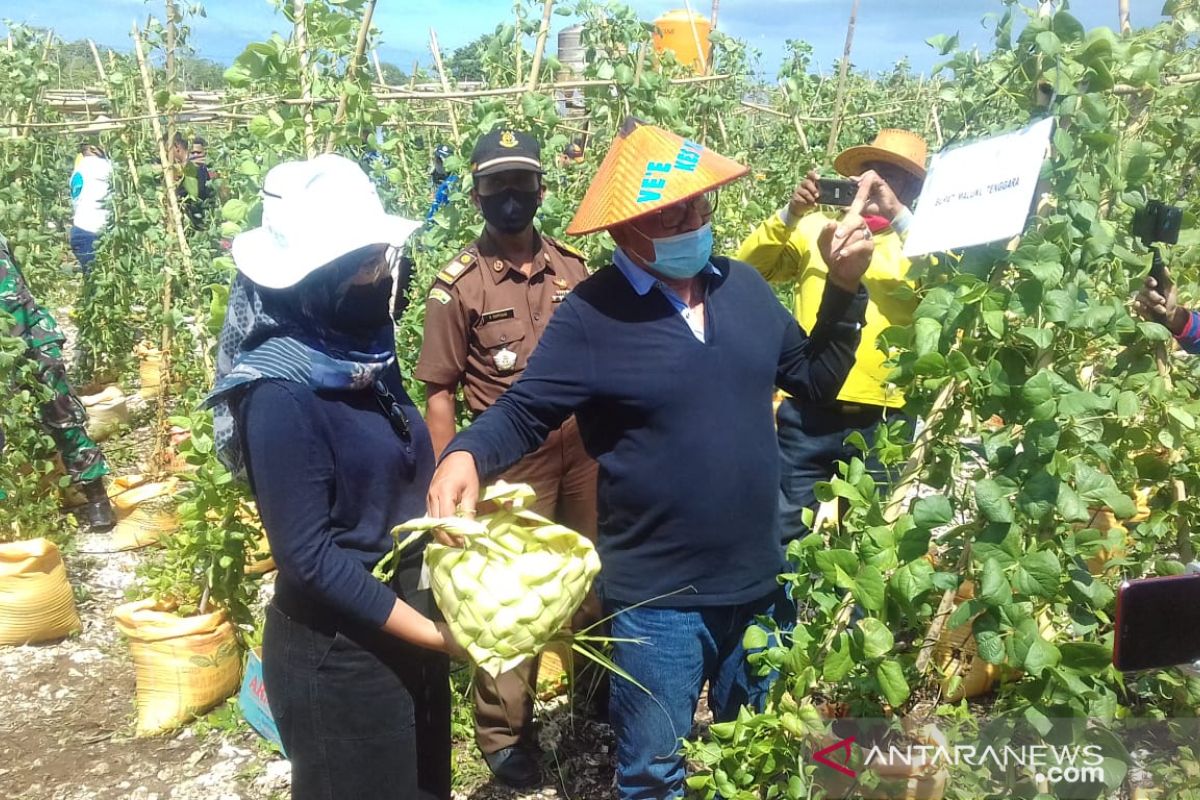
x,y
63,416
484,316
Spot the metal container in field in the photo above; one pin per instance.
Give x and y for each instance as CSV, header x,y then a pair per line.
x,y
571,52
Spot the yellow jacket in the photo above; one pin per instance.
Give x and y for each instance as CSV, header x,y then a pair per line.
x,y
785,252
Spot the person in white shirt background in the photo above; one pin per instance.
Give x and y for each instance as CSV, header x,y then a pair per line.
x,y
89,193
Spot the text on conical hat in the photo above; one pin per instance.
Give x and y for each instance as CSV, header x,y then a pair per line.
x,y
654,179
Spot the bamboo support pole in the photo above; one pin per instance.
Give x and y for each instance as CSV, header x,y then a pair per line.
x,y
437,61
133,173
1173,80
517,90
937,125
539,47
640,66
352,70
185,253
300,36
843,74
1183,533
172,40
144,117
404,168
796,124
808,118
100,71
1123,17
174,210
360,47
34,102
687,5
716,8
519,54
378,67
403,96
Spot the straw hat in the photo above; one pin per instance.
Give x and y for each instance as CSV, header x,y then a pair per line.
x,y
648,168
314,212
904,149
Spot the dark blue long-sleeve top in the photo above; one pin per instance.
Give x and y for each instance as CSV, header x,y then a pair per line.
x,y
682,429
332,478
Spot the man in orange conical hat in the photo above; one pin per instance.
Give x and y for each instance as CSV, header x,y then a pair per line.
x,y
668,358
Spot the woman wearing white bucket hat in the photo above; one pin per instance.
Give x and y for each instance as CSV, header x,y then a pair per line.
x,y
310,405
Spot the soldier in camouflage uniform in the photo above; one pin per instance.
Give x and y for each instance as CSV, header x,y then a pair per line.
x,y
64,416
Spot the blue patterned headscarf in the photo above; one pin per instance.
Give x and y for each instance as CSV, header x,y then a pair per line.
x,y
264,337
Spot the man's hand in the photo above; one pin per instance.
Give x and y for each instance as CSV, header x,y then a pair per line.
x,y
1154,307
805,197
875,197
453,492
846,247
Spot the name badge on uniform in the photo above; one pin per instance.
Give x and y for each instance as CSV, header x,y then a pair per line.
x,y
495,316
505,360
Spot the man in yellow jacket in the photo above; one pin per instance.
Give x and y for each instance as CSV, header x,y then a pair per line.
x,y
890,173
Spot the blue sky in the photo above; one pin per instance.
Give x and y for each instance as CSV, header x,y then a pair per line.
x,y
887,29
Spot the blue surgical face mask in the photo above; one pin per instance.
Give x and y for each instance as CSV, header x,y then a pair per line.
x,y
682,256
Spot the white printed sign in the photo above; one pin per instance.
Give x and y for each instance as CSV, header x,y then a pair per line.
x,y
979,192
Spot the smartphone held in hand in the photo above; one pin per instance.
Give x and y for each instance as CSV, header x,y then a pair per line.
x,y
1158,623
836,192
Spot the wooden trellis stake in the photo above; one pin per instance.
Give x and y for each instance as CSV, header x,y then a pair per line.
x,y
185,253
360,47
843,72
437,61
300,36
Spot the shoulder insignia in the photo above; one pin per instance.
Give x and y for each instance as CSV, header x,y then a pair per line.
x,y
566,248
439,294
456,268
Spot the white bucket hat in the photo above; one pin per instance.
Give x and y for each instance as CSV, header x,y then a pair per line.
x,y
314,212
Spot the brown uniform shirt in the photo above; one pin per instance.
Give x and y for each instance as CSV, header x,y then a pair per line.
x,y
483,317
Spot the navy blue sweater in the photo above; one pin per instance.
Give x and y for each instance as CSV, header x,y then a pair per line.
x,y
332,479
682,429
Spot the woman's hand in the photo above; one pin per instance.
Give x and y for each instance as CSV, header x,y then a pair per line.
x,y
406,623
449,645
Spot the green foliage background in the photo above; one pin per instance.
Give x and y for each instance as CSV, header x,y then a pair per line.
x,y
1044,398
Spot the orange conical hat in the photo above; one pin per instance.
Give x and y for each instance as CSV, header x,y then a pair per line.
x,y
646,169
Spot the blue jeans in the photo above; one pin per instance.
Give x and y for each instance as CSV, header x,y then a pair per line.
x,y
83,244
812,439
682,648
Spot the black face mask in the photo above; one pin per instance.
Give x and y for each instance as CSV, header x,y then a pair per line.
x,y
362,309
510,211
